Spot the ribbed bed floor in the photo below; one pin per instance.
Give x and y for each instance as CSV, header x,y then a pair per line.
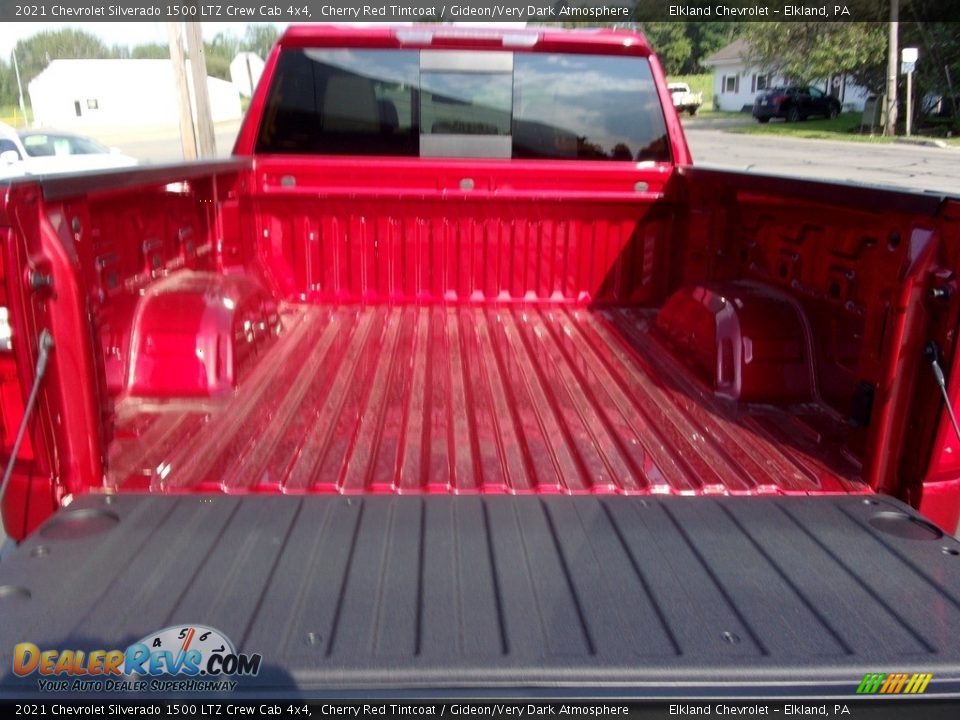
x,y
432,399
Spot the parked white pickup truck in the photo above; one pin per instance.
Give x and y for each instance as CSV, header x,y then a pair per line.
x,y
684,100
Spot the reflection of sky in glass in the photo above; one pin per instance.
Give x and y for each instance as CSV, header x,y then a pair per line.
x,y
474,88
608,100
478,100
391,66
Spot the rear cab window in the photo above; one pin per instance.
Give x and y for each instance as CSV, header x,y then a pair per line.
x,y
452,103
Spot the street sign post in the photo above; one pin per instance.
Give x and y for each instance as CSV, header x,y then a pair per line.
x,y
908,61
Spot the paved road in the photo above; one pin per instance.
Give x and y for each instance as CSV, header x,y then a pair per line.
x,y
161,144
911,166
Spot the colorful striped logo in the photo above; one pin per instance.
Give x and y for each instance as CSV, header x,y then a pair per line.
x,y
894,683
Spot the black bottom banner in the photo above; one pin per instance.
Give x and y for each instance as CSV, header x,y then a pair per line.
x,y
854,708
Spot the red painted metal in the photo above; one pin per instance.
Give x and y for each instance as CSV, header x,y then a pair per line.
x,y
542,39
940,492
29,497
64,417
403,231
444,341
95,254
484,336
196,333
860,262
749,342
11,391
457,399
941,503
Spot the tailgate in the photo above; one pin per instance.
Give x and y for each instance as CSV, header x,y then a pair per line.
x,y
773,595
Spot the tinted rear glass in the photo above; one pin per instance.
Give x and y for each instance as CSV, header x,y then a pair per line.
x,y
463,104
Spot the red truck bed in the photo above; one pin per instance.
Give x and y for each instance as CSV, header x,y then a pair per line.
x,y
540,399
703,335
353,305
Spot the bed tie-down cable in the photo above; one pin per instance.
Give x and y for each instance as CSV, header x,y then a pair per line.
x,y
45,345
932,353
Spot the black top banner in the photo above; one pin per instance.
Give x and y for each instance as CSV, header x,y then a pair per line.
x,y
560,11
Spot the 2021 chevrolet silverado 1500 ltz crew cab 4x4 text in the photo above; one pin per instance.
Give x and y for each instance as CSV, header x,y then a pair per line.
x,y
460,373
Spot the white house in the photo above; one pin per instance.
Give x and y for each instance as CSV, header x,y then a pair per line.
x,y
736,81
82,93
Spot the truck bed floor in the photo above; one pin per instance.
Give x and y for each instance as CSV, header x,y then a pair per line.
x,y
409,399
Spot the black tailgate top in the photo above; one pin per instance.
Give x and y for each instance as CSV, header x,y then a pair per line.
x,y
638,596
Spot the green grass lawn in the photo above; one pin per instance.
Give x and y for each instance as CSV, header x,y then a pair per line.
x,y
11,115
844,127
706,113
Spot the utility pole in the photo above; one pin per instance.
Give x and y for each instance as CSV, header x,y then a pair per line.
x,y
187,137
890,126
198,69
16,70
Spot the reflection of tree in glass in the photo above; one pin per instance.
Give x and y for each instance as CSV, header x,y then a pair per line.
x,y
588,150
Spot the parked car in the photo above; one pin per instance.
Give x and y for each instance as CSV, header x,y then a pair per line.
x,y
44,152
684,100
794,103
937,105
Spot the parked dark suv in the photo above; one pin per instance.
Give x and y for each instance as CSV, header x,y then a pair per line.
x,y
794,103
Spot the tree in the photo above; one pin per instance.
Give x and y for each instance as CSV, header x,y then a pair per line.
x,y
151,51
939,45
806,51
259,39
707,38
681,46
669,40
38,51
938,68
8,84
220,53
